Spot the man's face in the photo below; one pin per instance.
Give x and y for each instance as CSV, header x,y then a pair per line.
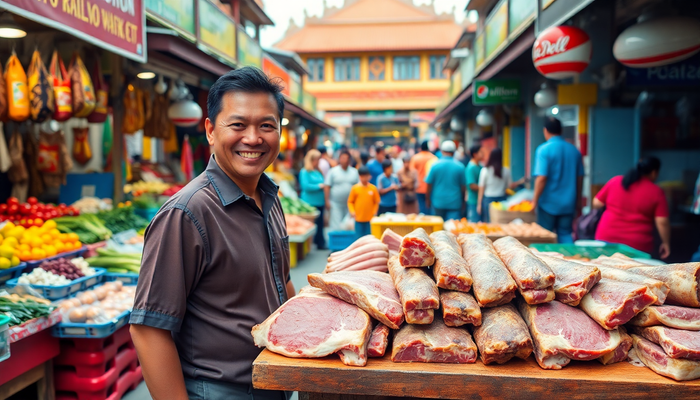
x,y
344,160
365,179
245,136
381,155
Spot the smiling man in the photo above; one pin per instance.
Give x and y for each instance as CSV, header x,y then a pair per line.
x,y
216,256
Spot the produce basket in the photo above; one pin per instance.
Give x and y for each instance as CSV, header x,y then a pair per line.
x,y
505,217
59,292
590,252
380,224
146,213
4,342
80,330
127,278
311,217
11,273
69,254
340,240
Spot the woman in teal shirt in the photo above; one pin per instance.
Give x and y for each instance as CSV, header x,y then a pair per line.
x,y
311,184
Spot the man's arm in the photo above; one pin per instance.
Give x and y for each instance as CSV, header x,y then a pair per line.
x,y
480,199
428,191
540,183
664,226
474,187
291,292
327,192
160,362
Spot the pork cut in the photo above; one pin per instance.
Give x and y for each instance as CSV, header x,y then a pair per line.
x,y
657,287
677,343
420,317
364,240
573,280
672,316
378,341
434,343
654,357
612,303
416,250
392,240
372,291
617,262
416,289
502,335
561,333
621,352
369,254
528,271
682,279
315,324
493,285
459,308
450,270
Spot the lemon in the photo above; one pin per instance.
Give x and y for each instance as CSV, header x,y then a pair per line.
x,y
17,232
15,261
11,241
5,229
6,252
5,263
50,224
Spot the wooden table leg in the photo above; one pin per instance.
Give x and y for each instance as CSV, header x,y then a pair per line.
x,y
45,386
17,384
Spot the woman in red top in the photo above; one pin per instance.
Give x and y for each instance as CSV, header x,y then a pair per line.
x,y
633,205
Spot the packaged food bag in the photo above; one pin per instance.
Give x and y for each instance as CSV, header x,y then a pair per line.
x,y
3,98
81,146
131,110
83,92
17,92
99,115
61,89
41,96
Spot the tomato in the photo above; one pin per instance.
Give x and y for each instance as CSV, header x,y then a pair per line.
x,y
38,222
3,208
23,222
12,209
12,201
32,201
33,209
53,214
40,215
25,209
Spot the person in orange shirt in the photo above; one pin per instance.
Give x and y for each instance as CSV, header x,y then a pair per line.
x,y
363,203
421,163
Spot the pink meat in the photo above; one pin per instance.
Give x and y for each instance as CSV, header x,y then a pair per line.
x,y
673,316
420,317
355,244
612,303
375,262
417,250
573,280
416,289
677,343
621,352
379,341
364,249
392,240
343,264
433,343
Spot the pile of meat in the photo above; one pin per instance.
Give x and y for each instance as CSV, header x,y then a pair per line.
x,y
454,299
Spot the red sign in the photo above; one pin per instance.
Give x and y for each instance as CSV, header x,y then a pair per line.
x,y
118,26
274,70
562,52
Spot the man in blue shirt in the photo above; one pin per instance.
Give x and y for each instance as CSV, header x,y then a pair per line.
x,y
559,172
375,165
446,184
473,171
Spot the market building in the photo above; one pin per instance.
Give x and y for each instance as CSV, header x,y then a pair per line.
x,y
384,77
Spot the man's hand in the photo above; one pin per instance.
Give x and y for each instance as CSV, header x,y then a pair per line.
x,y
664,251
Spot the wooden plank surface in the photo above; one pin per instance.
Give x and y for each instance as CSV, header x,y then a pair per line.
x,y
522,379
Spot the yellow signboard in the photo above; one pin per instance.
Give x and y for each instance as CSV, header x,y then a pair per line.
x,y
479,50
217,30
496,28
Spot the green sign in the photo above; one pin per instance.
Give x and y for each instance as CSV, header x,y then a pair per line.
x,y
496,28
496,91
178,14
249,51
520,12
217,30
295,93
479,50
309,102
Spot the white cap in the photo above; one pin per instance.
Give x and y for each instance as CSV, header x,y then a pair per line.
x,y
448,146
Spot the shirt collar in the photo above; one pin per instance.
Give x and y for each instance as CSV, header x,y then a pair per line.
x,y
227,189
555,138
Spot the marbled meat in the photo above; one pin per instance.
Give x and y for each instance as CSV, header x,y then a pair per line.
x,y
654,357
493,285
613,303
677,343
672,316
416,250
573,280
502,335
459,308
659,288
416,288
392,240
682,279
621,352
420,317
378,341
450,270
435,343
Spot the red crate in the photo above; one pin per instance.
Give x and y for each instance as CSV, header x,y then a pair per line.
x,y
92,344
126,382
91,364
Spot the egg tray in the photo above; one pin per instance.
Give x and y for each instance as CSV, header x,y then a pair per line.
x,y
83,330
62,291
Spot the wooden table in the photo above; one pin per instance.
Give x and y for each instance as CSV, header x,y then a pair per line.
x,y
329,379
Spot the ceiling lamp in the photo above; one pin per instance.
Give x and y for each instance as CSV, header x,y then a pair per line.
x,y
9,28
285,121
545,97
456,124
185,113
484,118
146,75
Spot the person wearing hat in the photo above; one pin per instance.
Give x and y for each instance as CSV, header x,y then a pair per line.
x,y
446,184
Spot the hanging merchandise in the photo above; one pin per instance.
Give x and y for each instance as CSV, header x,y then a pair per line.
x,y
187,159
41,96
3,97
185,113
161,87
31,156
81,85
18,171
658,41
81,146
17,93
107,140
99,115
134,114
5,162
562,52
61,89
171,145
54,161
158,125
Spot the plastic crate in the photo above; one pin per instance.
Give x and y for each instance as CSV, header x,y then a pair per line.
x,y
59,292
127,278
4,337
91,358
11,273
379,225
146,213
591,252
82,330
340,240
69,254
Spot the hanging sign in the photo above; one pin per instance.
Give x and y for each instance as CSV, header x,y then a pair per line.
x,y
562,52
177,14
496,28
117,26
683,73
249,51
496,91
217,31
658,42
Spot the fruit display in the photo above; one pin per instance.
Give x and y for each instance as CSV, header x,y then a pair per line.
x,y
296,206
32,213
523,206
57,272
141,187
297,225
23,308
35,243
116,262
98,305
89,228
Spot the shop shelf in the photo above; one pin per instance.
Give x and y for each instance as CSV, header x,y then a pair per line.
x,y
68,254
62,291
81,330
379,225
128,278
4,337
11,273
94,362
590,252
340,240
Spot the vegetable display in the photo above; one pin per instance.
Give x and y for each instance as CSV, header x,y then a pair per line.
x,y
36,243
57,272
296,206
89,228
92,205
116,262
32,213
21,309
141,187
98,305
122,219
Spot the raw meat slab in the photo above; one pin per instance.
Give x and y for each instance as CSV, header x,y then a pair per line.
x,y
416,288
573,280
437,343
677,343
659,288
528,271
315,324
621,352
682,279
672,316
459,308
392,240
420,317
658,361
613,303
616,262
493,285
561,333
538,296
450,270
372,291
502,335
417,250
378,341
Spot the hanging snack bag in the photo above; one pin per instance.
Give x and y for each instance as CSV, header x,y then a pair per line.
x,y
83,91
131,110
81,146
61,89
17,93
3,98
41,96
102,93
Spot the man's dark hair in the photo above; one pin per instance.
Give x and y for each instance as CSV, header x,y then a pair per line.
x,y
322,149
424,146
248,80
386,164
363,171
379,149
344,153
474,149
364,157
552,125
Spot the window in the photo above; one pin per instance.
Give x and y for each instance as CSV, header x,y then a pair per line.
x,y
406,68
377,68
436,63
316,69
347,69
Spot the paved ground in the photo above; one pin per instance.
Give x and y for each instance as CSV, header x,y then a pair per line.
x,y
314,262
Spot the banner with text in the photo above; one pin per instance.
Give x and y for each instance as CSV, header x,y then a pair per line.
x,y
117,26
217,30
249,51
177,14
496,91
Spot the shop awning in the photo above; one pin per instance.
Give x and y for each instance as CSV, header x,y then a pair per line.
x,y
186,51
291,107
520,45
